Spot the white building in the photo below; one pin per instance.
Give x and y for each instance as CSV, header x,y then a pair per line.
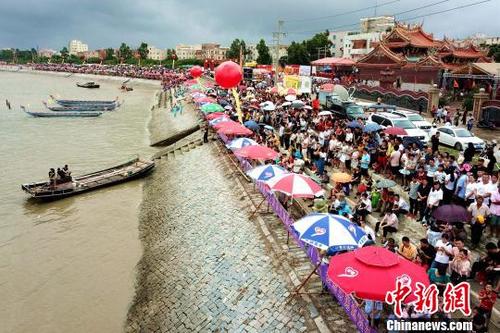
x,y
377,24
337,39
156,53
76,46
186,51
357,46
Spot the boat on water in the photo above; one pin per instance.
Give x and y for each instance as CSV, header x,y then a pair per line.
x,y
73,102
133,169
91,85
82,107
54,114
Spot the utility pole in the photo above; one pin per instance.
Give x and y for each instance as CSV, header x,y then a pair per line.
x,y
277,35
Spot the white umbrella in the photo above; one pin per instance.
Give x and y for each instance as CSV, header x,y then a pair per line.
x,y
250,88
286,104
325,113
228,107
290,98
269,107
265,103
308,107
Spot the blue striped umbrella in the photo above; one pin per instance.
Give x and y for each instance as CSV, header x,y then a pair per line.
x,y
266,172
371,127
330,232
240,143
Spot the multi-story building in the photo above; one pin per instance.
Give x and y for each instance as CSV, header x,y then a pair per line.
x,y
88,54
337,39
187,51
76,46
47,53
155,53
377,24
213,51
359,45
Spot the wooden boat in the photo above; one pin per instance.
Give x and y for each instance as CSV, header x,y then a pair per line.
x,y
91,85
124,172
53,114
82,107
73,102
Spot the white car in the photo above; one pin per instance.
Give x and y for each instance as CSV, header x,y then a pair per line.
x,y
415,118
457,137
386,119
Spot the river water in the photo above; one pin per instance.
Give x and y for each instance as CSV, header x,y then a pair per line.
x,y
68,266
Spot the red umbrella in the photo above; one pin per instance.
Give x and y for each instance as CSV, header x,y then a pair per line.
x,y
214,115
395,131
257,152
225,124
371,272
295,185
291,91
234,129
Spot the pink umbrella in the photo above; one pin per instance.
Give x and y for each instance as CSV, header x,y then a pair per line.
x,y
295,186
274,90
228,128
372,271
227,124
214,115
395,131
204,100
257,152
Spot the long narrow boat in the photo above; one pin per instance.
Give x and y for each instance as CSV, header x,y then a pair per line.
x,y
73,102
53,114
121,173
91,85
83,107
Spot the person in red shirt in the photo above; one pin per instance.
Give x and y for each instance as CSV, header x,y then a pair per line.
x,y
315,104
487,299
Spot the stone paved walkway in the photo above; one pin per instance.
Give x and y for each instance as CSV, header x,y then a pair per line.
x,y
205,266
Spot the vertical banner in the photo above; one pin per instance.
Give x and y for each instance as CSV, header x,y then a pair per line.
x,y
291,81
238,104
305,85
304,70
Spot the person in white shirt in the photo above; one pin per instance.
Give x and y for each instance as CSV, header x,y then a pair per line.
x,y
433,199
444,249
470,190
368,230
401,207
483,188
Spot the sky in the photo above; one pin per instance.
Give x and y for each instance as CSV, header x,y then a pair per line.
x,y
166,23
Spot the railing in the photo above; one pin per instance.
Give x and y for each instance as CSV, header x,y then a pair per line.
x,y
403,98
347,301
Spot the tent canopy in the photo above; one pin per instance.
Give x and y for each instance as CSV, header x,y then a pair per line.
x,y
331,61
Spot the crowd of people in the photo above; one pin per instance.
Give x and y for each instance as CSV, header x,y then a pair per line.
x,y
426,178
61,176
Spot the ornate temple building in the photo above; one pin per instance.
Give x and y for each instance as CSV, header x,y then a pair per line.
x,y
410,55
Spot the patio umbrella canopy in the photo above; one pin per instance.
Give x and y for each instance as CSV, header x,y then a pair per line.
x,y
266,172
372,271
257,152
214,115
395,131
330,232
295,186
386,183
332,61
371,127
211,107
240,143
226,124
451,214
251,124
237,129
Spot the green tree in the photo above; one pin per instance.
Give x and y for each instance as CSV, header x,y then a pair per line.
x,y
64,53
7,55
236,48
319,46
264,57
297,54
494,52
143,52
110,54
124,53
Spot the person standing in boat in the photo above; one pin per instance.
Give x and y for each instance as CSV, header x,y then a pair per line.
x,y
67,174
60,176
52,177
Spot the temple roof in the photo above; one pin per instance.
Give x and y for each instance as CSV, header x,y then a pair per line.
x,y
383,56
469,51
402,36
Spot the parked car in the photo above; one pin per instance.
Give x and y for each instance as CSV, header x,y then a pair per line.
x,y
457,137
345,109
386,119
415,118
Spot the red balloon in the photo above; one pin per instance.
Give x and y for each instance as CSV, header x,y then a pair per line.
x,y
196,71
228,74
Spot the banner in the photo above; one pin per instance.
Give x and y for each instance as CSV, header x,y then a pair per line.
x,y
291,81
304,70
305,85
238,104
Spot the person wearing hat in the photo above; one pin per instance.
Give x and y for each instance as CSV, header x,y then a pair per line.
x,y
479,211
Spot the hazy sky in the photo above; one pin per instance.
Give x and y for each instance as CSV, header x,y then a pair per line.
x,y
165,23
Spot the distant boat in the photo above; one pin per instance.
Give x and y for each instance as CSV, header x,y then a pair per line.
x,y
82,107
124,172
73,102
91,85
53,114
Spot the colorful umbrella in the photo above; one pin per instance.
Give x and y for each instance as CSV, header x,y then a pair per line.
x,y
237,129
353,124
330,232
240,143
371,127
229,123
451,214
214,115
395,131
251,124
386,183
221,119
266,172
291,91
295,186
371,272
211,107
257,152
197,95
202,100
341,177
